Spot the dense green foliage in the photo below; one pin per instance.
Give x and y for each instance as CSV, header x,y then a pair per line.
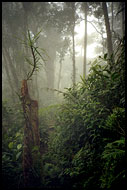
x,y
86,148
12,145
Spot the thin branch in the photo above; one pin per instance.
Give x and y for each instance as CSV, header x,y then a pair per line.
x,y
34,65
33,49
123,132
64,93
93,26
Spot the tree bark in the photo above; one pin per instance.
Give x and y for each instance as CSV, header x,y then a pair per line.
x,y
50,72
73,58
123,20
59,77
73,42
9,78
108,31
25,7
31,135
112,16
37,89
85,41
12,68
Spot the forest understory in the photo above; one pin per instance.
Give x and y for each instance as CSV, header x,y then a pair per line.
x,y
55,136
82,140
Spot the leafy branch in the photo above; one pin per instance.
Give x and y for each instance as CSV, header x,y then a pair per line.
x,y
67,94
35,52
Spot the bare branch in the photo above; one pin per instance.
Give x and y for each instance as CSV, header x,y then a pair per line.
x,y
91,22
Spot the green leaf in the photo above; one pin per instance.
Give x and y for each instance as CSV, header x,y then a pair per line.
x,y
10,145
37,35
28,61
35,148
19,146
17,134
105,56
30,40
39,53
114,76
18,155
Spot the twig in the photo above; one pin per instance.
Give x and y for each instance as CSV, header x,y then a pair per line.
x,y
93,26
34,65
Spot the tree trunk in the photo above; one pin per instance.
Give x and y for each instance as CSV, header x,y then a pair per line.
x,y
12,68
73,41
103,44
25,67
59,77
123,20
37,89
8,77
31,135
50,72
85,41
73,58
25,7
112,16
108,31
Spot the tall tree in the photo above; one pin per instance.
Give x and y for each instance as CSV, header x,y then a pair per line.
x,y
112,15
63,50
49,17
73,42
85,40
108,31
31,135
121,12
70,18
5,65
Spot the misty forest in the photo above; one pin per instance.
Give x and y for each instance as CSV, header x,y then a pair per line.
x,y
63,95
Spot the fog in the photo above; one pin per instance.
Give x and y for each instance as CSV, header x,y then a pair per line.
x,y
63,95
62,38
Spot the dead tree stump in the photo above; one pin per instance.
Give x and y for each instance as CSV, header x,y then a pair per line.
x,y
31,134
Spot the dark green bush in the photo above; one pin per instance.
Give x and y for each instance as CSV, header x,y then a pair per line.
x,y
12,145
90,123
82,140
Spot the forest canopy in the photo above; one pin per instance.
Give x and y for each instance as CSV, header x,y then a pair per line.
x,y
63,95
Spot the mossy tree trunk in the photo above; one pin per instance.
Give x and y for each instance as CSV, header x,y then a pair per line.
x,y
108,30
73,43
85,40
31,135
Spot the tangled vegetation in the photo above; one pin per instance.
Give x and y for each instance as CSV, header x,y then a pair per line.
x,y
84,147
